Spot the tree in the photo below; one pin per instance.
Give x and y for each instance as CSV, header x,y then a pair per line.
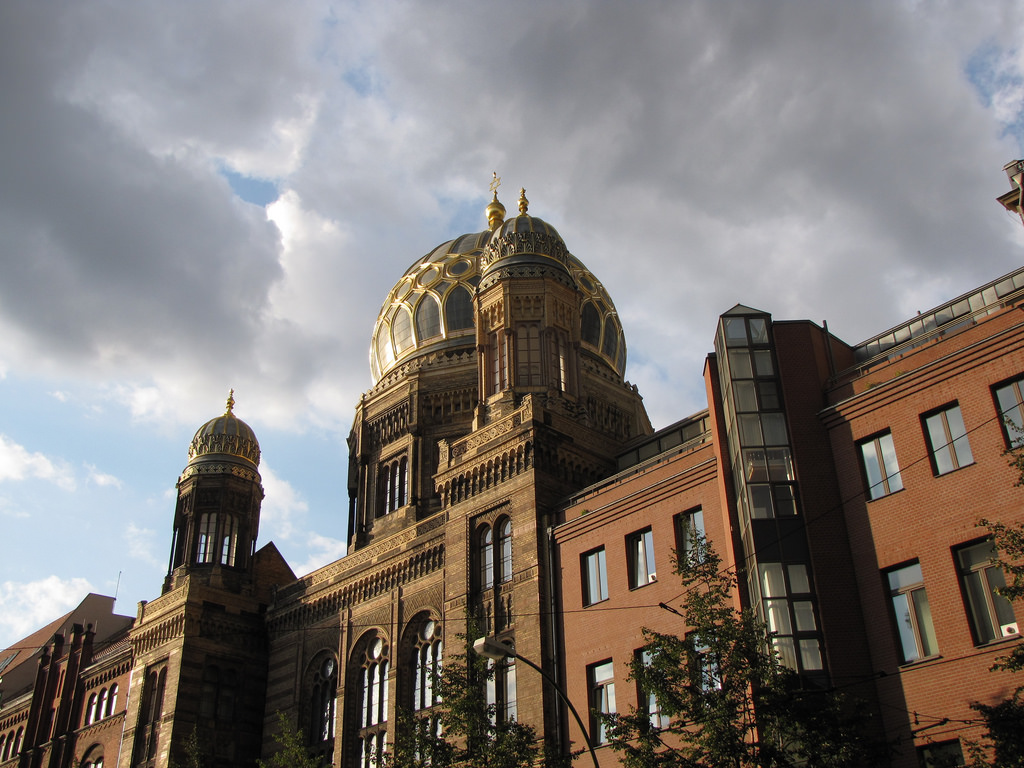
x,y
291,750
472,734
728,700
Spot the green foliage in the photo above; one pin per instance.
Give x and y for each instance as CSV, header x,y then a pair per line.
x,y
1003,745
729,701
194,756
472,736
291,750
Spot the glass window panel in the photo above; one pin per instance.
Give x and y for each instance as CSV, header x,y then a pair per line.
x,y
810,655
786,648
958,433
761,502
746,399
735,332
739,364
872,469
785,502
774,425
754,467
929,646
798,579
458,310
758,330
773,584
769,395
905,627
750,429
941,451
403,330
780,464
777,616
763,362
803,613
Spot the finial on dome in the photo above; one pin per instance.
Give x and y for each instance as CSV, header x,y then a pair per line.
x,y
231,402
495,210
523,202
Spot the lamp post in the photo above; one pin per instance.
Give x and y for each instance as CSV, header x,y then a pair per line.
x,y
490,648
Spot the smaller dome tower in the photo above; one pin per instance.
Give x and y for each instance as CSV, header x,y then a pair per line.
x,y
220,491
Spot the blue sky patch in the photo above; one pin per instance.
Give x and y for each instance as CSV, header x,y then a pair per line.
x,y
256,191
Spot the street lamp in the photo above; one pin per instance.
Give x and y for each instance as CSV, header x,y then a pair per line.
x,y
491,648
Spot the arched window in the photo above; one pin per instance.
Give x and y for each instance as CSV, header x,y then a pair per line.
x,y
3,746
611,339
402,330
504,550
372,665
322,702
559,360
112,700
147,735
458,310
229,541
428,318
101,706
16,749
590,325
486,551
207,537
501,689
93,757
90,710
394,485
426,665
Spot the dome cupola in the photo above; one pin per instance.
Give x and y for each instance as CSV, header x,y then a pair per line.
x,y
525,240
226,437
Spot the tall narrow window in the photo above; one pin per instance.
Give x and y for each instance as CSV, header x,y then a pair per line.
x,y
640,558
601,682
646,700
323,697
427,666
1010,402
528,355
207,538
394,485
689,531
486,554
595,576
501,689
90,710
947,440
705,672
498,353
112,700
559,360
505,550
101,706
880,466
373,708
229,541
991,614
147,734
912,613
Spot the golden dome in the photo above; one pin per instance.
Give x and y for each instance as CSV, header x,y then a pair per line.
x,y
225,437
430,309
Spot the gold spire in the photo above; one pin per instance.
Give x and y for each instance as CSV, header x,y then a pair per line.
x,y
495,210
523,202
231,403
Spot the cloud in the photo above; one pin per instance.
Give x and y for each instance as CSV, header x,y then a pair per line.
x,y
320,550
102,479
26,606
141,544
17,463
283,507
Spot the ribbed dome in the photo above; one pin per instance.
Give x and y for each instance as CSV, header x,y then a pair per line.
x,y
430,309
225,436
525,239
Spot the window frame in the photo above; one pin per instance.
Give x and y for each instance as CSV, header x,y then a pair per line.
x,y
983,605
600,698
689,528
640,554
890,480
926,644
954,450
1013,439
594,593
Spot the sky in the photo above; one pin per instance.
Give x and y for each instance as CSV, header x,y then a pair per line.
x,y
199,196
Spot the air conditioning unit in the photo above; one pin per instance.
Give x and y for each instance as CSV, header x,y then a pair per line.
x,y
1008,630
